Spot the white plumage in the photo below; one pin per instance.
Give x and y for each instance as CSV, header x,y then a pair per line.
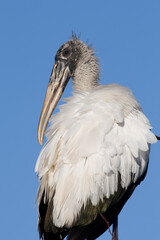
x,y
95,136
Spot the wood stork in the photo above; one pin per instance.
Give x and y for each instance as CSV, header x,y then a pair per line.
x,y
97,149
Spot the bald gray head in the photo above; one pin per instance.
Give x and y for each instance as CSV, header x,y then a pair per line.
x,y
82,63
74,59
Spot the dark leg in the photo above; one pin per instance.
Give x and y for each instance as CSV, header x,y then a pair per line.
x,y
115,229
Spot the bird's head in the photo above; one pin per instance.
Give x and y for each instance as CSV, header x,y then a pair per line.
x,y
73,59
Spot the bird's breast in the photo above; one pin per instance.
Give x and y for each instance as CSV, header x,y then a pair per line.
x,y
95,137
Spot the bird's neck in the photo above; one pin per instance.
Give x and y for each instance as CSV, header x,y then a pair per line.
x,y
84,83
86,75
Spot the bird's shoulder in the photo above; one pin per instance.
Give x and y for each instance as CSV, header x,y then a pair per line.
x,y
112,95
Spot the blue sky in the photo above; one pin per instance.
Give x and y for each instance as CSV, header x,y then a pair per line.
x,y
126,36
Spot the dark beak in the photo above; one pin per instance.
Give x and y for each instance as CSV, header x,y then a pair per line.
x,y
59,78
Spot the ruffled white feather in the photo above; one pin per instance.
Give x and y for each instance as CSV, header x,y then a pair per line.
x,y
95,136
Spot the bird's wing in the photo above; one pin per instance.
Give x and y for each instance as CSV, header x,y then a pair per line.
x,y
90,143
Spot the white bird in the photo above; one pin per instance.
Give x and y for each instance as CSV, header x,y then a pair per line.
x,y
97,149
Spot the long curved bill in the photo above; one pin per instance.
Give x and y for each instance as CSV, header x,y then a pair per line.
x,y
59,78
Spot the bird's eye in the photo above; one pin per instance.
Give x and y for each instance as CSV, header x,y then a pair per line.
x,y
66,52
